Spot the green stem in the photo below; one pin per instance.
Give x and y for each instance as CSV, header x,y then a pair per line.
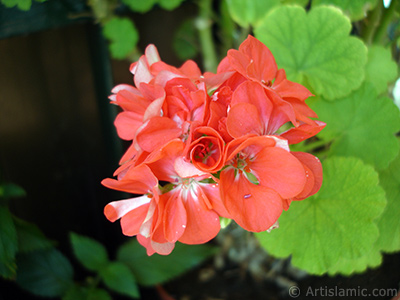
x,y
309,147
373,22
204,25
384,24
227,28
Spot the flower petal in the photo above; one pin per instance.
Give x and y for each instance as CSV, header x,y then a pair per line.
x,y
132,221
117,209
254,207
136,180
174,218
202,224
304,131
313,166
157,132
279,170
127,123
244,118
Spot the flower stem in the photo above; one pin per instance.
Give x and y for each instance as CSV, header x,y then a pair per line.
x,y
204,26
385,21
373,22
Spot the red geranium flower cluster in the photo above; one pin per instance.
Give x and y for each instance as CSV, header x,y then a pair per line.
x,y
206,146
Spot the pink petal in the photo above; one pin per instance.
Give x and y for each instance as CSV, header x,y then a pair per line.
x,y
151,54
117,209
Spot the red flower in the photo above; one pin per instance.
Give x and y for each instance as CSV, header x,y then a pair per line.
x,y
261,173
140,215
206,152
280,101
192,206
216,140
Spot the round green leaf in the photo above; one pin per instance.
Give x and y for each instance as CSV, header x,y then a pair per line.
x,y
123,36
141,6
119,278
337,222
250,12
355,9
315,52
389,221
296,2
91,254
170,4
381,69
21,4
361,125
357,265
45,273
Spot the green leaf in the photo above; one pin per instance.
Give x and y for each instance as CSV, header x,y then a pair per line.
x,y
347,267
90,253
381,68
389,221
30,238
355,9
151,270
123,36
119,278
250,12
8,237
315,52
76,292
335,223
45,273
21,4
295,2
170,4
83,293
361,125
11,190
141,6
185,41
8,270
98,294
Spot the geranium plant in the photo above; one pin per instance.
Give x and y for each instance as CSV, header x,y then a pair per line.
x,y
331,59
288,128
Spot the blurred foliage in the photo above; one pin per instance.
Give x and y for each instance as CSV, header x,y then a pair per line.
x,y
32,260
